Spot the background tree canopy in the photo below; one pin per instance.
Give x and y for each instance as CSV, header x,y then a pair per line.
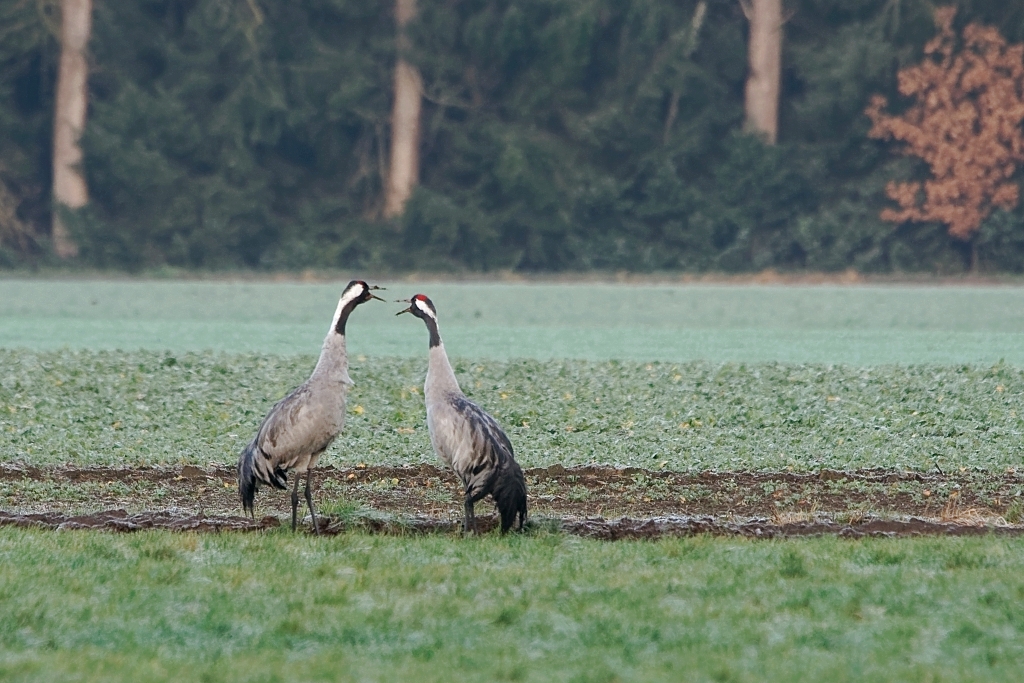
x,y
557,134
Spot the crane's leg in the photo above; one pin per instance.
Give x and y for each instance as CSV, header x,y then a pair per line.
x,y
469,520
309,500
295,503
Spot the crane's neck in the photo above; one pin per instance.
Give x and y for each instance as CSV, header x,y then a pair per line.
x,y
435,336
440,377
333,363
346,304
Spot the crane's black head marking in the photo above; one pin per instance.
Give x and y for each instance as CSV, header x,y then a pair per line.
x,y
357,292
423,308
420,306
360,292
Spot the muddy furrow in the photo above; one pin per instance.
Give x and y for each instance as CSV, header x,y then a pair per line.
x,y
624,528
962,499
585,473
120,520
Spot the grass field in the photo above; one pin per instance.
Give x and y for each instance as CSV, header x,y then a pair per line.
x,y
689,379
152,607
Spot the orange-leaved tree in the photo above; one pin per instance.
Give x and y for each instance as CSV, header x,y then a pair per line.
x,y
965,123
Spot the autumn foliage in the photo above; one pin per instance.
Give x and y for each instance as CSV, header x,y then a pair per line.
x,y
965,123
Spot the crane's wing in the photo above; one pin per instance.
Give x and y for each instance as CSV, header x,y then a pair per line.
x,y
486,429
300,424
469,439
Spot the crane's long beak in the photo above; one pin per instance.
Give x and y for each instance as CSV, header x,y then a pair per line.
x,y
373,296
404,301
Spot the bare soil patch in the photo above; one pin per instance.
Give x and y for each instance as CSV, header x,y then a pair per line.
x,y
599,528
120,520
593,501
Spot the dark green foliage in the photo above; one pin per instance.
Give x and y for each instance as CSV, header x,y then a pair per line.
x,y
222,130
557,134
28,60
1000,242
550,128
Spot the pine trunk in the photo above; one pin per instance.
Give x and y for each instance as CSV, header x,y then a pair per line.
x,y
764,53
404,170
69,187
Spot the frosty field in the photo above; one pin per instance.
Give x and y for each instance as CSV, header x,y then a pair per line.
x,y
783,407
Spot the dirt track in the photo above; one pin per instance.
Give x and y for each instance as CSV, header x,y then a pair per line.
x,y
599,502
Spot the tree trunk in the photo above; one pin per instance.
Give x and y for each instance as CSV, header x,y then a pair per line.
x,y
764,54
69,187
404,170
692,42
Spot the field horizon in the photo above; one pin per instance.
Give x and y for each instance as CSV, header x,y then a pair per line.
x,y
860,325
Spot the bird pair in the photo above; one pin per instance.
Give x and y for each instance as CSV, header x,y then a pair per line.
x,y
300,427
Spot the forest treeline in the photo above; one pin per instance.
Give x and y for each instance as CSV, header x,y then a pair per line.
x,y
554,135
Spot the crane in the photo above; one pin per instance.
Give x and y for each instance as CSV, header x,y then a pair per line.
x,y
300,427
465,437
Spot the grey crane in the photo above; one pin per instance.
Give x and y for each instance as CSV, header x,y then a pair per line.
x,y
465,437
300,427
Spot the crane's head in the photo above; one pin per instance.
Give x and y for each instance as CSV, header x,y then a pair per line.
x,y
421,307
358,292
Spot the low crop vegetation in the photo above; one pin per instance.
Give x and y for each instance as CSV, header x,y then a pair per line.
x,y
123,408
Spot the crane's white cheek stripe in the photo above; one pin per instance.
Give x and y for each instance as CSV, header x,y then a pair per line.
x,y
426,309
346,299
349,296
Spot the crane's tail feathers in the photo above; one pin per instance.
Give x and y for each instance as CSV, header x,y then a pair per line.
x,y
247,477
279,478
510,496
250,475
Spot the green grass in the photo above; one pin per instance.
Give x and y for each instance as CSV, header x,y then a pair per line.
x,y
155,606
145,407
865,325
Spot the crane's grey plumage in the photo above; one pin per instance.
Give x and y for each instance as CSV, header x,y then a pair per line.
x,y
465,437
300,427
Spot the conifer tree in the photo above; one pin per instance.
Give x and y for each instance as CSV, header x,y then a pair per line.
x,y
554,134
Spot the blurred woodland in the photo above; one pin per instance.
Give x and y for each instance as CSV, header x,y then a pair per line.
x,y
532,135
